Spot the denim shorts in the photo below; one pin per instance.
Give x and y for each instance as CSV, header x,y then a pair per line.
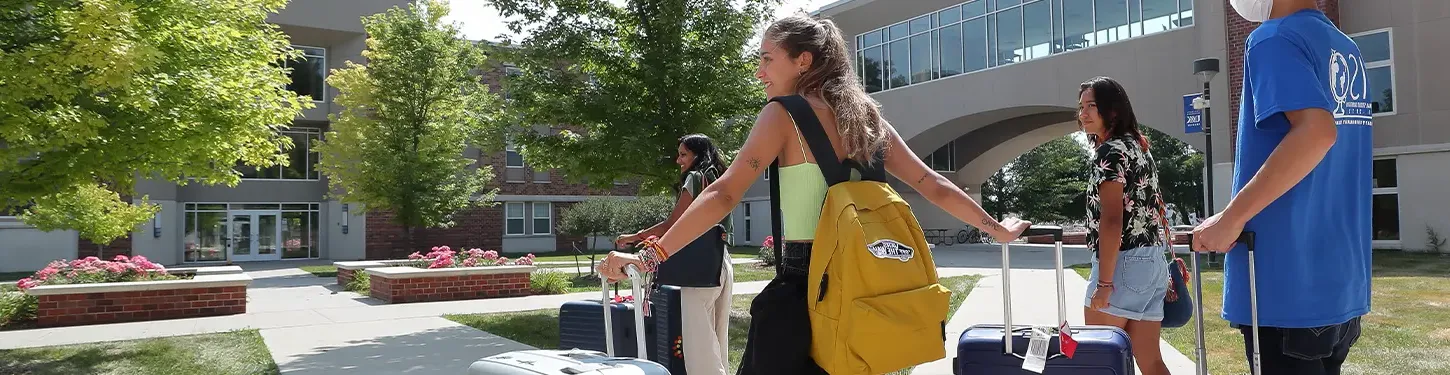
x,y
1140,283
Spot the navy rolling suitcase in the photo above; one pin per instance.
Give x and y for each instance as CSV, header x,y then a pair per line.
x,y
986,349
667,337
581,326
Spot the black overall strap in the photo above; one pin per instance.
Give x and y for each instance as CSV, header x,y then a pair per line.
x,y
776,227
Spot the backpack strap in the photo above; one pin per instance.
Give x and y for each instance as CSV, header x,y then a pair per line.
x,y
776,228
835,170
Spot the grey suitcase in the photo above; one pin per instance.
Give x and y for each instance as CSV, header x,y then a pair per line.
x,y
551,362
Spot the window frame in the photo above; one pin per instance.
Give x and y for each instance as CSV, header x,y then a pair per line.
x,y
951,149
510,148
1389,62
310,166
533,229
524,229
325,71
1399,206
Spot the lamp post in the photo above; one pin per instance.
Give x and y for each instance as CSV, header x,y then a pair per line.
x,y
1205,69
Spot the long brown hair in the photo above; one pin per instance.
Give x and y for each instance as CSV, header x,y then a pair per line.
x,y
858,117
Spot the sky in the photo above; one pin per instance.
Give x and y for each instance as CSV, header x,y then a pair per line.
x,y
482,22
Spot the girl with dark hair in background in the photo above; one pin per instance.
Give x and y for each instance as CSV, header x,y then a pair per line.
x,y
706,310
1129,276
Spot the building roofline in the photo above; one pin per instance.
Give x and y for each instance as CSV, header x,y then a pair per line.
x,y
832,7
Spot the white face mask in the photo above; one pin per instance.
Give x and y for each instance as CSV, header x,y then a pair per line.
x,y
1253,10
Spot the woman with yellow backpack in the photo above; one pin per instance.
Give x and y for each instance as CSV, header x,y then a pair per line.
x,y
818,108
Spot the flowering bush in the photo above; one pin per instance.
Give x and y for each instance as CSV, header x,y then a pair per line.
x,y
94,270
444,257
767,251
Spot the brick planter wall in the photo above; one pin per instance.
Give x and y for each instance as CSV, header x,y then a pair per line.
x,y
408,284
344,276
213,291
115,307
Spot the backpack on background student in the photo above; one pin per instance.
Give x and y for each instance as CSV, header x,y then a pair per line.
x,y
875,302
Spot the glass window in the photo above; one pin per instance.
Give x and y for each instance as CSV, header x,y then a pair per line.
x,y
1375,47
898,31
974,44
992,40
1135,18
898,65
1386,217
1037,24
1003,4
1077,24
872,38
920,24
1381,88
944,159
205,239
543,218
873,68
921,58
314,233
1057,26
1159,15
308,73
1110,20
951,50
514,218
1185,15
950,15
974,9
1385,173
514,159
1009,36
301,158
296,243
297,168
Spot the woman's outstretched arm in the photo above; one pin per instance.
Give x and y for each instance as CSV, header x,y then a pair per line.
x,y
907,167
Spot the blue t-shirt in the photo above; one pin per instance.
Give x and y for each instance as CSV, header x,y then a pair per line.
x,y
1313,243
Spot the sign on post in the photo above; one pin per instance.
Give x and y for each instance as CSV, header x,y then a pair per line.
x,y
1192,118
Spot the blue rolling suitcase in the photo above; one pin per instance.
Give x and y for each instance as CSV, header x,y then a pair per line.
x,y
667,340
581,326
986,349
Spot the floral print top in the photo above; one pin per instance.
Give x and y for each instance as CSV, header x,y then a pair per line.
x,y
1122,159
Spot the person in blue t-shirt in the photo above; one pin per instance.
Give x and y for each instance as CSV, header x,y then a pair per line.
x,y
1302,175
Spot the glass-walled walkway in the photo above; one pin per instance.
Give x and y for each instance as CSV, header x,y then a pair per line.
x,y
981,34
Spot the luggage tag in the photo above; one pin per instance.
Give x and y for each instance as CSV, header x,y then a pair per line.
x,y
1066,344
1036,360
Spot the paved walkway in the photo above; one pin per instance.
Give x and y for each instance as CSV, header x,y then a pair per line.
x,y
314,327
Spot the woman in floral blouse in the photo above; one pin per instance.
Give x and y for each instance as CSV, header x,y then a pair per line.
x,y
1129,275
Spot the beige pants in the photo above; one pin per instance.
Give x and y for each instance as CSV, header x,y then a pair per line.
x,y
705,322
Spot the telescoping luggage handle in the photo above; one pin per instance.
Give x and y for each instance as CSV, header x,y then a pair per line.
x,y
637,289
1246,238
1008,329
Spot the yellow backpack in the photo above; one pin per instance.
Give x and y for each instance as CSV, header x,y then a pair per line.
x,y
876,305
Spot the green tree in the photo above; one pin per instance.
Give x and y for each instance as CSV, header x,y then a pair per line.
x,y
96,94
410,114
643,212
1180,171
1049,183
591,218
631,79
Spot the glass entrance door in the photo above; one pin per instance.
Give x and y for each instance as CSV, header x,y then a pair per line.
x,y
254,236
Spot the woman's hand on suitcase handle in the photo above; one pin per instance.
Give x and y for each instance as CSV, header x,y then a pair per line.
x,y
1007,230
612,267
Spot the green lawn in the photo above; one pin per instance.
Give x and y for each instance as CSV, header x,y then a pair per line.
x,y
237,352
322,270
743,273
1407,323
540,328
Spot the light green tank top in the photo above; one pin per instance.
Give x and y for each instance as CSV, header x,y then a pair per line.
x,y
802,192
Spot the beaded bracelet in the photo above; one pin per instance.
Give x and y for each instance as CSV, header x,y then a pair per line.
x,y
651,255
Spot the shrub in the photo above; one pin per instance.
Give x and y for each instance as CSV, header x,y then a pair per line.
x,y
93,270
549,282
16,307
359,283
444,257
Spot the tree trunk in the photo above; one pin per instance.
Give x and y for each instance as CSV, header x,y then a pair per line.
x,y
409,239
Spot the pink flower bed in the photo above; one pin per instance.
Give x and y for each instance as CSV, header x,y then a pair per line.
x,y
92,270
444,257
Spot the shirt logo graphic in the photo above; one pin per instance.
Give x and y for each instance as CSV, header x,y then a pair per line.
x,y
890,249
1349,86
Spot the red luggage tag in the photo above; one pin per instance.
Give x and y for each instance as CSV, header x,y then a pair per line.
x,y
1067,345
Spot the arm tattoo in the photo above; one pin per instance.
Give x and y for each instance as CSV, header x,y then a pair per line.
x,y
923,177
992,224
755,164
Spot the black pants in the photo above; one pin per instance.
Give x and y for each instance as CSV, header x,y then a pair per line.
x,y
779,341
1302,351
